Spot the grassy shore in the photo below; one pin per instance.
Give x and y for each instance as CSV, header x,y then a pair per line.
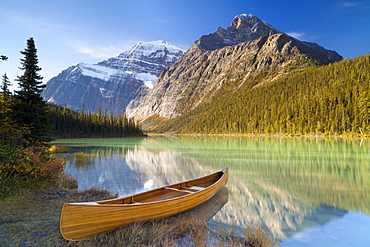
x,y
30,217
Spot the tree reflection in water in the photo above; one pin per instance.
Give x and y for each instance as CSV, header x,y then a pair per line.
x,y
285,184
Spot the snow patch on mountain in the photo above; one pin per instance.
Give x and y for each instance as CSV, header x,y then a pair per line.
x,y
154,49
139,53
97,71
245,17
148,79
105,74
106,93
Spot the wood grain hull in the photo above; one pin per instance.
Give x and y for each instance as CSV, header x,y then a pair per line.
x,y
79,221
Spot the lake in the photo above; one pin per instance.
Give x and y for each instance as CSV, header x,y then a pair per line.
x,y
305,191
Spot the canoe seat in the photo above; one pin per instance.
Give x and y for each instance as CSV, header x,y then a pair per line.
x,y
174,189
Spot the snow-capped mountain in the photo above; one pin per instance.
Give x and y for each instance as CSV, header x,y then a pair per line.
x,y
145,57
113,83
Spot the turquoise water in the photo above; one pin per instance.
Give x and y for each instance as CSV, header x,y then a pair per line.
x,y
305,191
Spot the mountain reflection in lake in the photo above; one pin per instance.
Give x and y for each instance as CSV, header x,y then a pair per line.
x,y
293,187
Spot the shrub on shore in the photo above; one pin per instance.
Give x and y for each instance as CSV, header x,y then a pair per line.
x,y
58,149
20,166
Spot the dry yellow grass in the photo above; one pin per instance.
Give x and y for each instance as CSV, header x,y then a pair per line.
x,y
31,218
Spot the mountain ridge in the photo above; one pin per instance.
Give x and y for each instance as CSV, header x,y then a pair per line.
x,y
168,82
229,57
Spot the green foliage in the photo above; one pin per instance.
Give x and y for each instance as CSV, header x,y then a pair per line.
x,y
24,129
29,108
67,122
333,99
19,164
3,58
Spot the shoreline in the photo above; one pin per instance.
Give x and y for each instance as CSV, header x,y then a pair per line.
x,y
41,205
268,135
150,134
97,136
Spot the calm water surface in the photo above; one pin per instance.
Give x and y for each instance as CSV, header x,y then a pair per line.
x,y
305,191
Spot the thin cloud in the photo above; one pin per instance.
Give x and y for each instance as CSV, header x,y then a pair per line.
x,y
81,48
297,34
300,35
349,4
101,51
30,23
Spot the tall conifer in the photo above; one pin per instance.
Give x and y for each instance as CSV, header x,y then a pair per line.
x,y
30,110
6,126
5,92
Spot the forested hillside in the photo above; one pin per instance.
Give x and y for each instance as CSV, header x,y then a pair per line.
x,y
333,99
70,123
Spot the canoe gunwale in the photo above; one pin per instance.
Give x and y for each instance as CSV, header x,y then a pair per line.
x,y
74,229
168,187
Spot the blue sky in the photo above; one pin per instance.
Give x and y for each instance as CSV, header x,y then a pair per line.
x,y
67,32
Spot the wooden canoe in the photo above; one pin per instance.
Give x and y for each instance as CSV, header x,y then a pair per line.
x,y
79,221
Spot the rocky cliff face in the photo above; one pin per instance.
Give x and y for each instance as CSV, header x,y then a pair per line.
x,y
233,56
244,28
113,83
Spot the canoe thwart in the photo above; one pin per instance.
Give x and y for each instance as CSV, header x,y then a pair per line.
x,y
196,188
174,189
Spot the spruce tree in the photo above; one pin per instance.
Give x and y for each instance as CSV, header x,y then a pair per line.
x,y
9,133
29,108
5,92
5,111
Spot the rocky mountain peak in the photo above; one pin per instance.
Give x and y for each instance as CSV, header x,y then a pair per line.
x,y
111,84
152,50
248,23
244,28
143,54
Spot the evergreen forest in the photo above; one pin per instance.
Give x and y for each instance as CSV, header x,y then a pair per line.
x,y
70,123
331,100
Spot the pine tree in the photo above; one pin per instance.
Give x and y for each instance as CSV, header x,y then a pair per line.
x,y
29,108
5,92
5,102
9,133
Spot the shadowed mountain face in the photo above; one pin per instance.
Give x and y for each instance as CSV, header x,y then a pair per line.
x,y
227,60
113,83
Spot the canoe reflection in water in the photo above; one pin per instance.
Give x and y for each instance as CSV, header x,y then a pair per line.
x,y
208,209
79,221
